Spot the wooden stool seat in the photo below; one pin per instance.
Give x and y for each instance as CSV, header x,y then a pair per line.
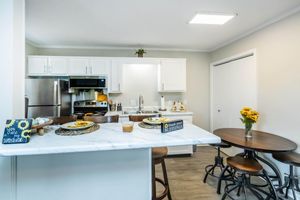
x,y
102,119
291,158
64,119
221,145
248,165
159,152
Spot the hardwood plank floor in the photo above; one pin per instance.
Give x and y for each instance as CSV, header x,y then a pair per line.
x,y
186,176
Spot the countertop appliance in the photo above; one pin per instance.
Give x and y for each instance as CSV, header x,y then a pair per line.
x,y
90,106
87,82
47,97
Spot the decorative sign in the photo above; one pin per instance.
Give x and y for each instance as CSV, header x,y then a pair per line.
x,y
17,131
171,126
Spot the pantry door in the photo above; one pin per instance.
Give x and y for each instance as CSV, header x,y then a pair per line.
x,y
233,86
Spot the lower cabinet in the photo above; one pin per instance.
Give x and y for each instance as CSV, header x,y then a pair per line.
x,y
185,149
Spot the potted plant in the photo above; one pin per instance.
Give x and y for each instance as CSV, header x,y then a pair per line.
x,y
140,52
249,117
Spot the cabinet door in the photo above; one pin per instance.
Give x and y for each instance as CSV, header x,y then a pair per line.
x,y
58,65
37,65
99,66
116,77
79,66
172,75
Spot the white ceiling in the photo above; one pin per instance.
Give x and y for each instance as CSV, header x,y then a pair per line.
x,y
146,23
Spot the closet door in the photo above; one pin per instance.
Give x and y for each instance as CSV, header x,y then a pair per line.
x,y
234,87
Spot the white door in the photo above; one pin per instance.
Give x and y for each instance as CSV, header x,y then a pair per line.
x,y
79,66
172,77
37,65
58,65
234,87
100,66
116,77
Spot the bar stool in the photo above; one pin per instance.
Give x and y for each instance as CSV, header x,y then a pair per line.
x,y
158,157
244,167
291,181
64,119
210,169
102,119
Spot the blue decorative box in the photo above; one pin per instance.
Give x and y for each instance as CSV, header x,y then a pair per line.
x,y
171,126
17,131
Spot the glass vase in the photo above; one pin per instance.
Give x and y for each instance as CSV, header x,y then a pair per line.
x,y
248,130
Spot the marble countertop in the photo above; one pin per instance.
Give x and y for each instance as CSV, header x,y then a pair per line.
x,y
109,137
163,113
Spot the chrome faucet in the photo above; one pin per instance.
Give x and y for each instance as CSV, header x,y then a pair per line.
x,y
141,103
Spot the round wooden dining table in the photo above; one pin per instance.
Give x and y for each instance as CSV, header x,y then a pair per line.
x,y
259,142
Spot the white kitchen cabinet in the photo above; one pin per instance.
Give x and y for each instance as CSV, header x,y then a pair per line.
x,y
116,77
99,66
172,75
57,65
184,149
79,66
37,65
47,66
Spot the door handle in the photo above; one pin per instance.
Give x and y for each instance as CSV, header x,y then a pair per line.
x,y
219,110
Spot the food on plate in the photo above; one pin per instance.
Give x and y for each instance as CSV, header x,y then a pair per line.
x,y
156,120
79,124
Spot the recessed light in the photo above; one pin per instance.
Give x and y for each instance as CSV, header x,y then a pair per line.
x,y
217,19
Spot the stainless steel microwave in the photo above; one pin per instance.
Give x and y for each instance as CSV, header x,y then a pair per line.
x,y
87,82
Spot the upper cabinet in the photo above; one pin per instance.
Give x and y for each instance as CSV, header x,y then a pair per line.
x,y
100,66
172,75
47,66
79,66
116,77
89,66
37,65
58,65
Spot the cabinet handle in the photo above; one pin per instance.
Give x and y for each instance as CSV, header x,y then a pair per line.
x,y
163,86
119,87
86,70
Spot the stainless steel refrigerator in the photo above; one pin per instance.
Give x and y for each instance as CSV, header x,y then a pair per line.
x,y
47,98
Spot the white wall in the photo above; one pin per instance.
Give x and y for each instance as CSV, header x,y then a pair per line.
x,y
11,82
197,95
278,71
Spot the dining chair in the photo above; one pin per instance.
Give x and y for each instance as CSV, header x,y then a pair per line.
x,y
291,180
64,119
158,157
102,119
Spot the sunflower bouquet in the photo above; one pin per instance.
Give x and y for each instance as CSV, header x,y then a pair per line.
x,y
249,117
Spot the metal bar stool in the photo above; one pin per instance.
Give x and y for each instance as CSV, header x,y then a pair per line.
x,y
210,169
158,157
244,167
291,181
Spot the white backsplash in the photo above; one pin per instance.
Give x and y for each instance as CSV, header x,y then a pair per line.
x,y
141,79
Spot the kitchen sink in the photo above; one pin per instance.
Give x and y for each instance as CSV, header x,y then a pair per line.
x,y
141,113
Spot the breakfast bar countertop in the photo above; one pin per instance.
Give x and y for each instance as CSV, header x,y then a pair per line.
x,y
109,137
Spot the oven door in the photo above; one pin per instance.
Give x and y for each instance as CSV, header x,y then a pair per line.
x,y
87,83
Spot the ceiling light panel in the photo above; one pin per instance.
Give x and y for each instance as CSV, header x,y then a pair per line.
x,y
216,19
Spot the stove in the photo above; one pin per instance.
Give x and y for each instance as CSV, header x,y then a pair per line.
x,y
82,108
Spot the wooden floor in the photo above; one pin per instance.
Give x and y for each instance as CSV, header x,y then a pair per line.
x,y
186,176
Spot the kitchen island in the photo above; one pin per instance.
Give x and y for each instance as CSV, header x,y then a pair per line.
x,y
106,164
